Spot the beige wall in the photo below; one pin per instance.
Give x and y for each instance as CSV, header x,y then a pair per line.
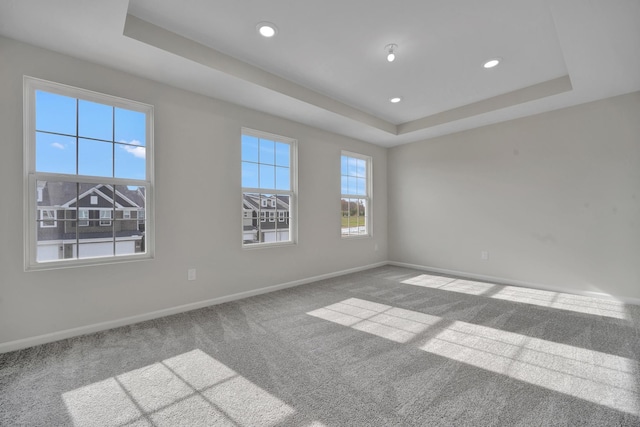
x,y
197,202
554,198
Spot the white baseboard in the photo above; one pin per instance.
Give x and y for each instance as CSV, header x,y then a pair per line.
x,y
97,327
520,283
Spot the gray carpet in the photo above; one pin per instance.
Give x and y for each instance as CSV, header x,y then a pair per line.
x,y
388,346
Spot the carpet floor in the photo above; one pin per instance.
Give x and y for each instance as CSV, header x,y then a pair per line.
x,y
388,346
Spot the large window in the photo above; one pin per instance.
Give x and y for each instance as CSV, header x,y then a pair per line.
x,y
355,180
268,189
88,165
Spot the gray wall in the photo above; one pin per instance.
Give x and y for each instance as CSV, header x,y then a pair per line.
x,y
554,198
197,197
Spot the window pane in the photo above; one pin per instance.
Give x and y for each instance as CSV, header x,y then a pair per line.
x,y
55,153
267,176
130,126
130,208
52,194
344,185
95,120
267,152
53,243
282,154
362,218
353,186
352,166
361,168
95,158
55,113
249,148
344,161
97,239
55,224
250,175
283,179
361,186
130,161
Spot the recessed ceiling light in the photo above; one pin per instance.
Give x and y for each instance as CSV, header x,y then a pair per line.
x,y
492,62
267,29
395,99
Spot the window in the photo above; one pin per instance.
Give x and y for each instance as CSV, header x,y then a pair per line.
x,y
83,218
105,218
88,157
355,174
268,188
48,218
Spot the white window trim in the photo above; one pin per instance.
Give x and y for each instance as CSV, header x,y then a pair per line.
x,y
82,220
105,220
41,212
292,193
31,176
126,214
368,197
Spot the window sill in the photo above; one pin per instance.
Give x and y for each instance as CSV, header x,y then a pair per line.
x,y
252,246
88,262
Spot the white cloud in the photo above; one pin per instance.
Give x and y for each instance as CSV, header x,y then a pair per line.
x,y
57,145
135,149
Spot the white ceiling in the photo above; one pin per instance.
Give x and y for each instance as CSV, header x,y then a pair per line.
x,y
326,67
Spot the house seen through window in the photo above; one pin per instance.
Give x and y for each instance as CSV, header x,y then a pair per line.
x,y
89,175
268,188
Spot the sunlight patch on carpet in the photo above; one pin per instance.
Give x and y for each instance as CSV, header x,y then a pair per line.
x,y
594,376
192,389
557,300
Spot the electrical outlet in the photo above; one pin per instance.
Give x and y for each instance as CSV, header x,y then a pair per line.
x,y
484,255
191,274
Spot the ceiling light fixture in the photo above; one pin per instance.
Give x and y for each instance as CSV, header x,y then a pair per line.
x,y
267,29
395,99
391,51
492,62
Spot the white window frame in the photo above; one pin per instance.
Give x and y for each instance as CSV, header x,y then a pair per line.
x,y
50,218
106,216
31,176
368,198
292,193
281,216
126,214
83,217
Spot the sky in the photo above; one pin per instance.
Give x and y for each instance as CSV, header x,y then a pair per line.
x,y
106,141
353,174
265,164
